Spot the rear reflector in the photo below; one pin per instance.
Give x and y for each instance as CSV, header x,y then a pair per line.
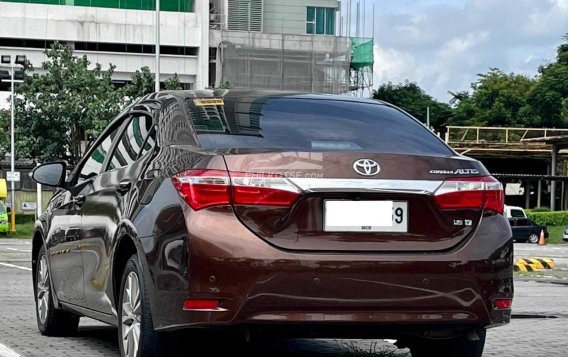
x,y
200,304
471,192
503,304
206,188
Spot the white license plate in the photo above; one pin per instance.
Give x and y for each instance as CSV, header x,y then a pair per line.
x,y
365,216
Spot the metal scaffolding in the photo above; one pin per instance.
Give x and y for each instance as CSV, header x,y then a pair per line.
x,y
285,61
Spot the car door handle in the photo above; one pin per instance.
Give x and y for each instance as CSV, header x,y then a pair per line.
x,y
78,200
123,187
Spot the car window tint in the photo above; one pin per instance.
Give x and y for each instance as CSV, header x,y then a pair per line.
x,y
517,213
133,141
312,125
94,163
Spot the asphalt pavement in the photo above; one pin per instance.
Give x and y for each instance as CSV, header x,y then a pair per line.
x,y
539,326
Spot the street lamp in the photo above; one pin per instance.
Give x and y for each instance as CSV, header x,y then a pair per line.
x,y
6,60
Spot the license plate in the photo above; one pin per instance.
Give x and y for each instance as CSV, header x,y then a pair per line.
x,y
365,216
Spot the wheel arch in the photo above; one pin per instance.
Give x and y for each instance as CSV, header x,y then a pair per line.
x,y
39,240
126,244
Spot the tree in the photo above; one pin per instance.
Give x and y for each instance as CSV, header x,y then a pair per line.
x,y
142,83
57,110
549,97
173,83
497,99
4,132
410,97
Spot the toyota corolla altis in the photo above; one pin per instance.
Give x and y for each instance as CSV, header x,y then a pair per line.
x,y
310,215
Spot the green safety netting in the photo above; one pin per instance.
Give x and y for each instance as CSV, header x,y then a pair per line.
x,y
165,5
361,52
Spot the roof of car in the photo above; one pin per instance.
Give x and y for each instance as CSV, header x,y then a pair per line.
x,y
255,93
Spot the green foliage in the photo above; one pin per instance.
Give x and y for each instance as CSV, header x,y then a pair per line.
x,y
498,99
23,230
58,109
495,99
557,218
25,218
4,132
410,97
173,83
549,97
142,83
537,209
555,234
225,85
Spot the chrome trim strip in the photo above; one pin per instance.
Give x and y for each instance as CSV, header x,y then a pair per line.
x,y
424,187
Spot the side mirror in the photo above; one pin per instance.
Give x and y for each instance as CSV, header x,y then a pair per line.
x,y
50,174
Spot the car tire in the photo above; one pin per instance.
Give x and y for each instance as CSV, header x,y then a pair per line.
x,y
50,321
533,238
136,334
460,346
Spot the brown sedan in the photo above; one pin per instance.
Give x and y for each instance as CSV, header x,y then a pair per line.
x,y
297,214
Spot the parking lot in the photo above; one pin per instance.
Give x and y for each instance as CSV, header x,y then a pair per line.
x,y
539,326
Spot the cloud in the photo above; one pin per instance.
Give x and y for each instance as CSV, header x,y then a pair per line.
x,y
447,43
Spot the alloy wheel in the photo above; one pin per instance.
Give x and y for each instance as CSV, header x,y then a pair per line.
x,y
533,238
131,315
42,290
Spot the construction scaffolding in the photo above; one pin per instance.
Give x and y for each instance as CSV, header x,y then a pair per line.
x,y
285,62
361,68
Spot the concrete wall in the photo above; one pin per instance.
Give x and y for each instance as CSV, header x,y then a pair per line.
x,y
290,16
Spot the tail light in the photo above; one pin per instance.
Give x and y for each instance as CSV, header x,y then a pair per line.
x,y
203,188
206,188
471,192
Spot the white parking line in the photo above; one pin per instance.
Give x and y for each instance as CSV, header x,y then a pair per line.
x,y
7,352
18,250
17,267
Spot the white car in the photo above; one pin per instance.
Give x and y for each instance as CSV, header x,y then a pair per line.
x,y
514,212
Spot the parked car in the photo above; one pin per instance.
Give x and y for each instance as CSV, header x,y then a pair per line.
x,y
565,235
525,230
514,212
304,214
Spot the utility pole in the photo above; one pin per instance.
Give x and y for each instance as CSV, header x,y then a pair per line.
x,y
157,78
12,159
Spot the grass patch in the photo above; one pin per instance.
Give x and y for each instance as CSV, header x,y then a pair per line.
x,y
555,234
23,231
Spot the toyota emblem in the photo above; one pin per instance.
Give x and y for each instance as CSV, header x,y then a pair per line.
x,y
366,167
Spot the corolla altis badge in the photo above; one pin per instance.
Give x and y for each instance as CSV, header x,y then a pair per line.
x,y
366,167
455,172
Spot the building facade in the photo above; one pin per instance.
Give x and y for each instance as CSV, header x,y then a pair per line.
x,y
248,43
120,32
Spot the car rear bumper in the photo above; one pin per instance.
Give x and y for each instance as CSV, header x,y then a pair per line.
x,y
258,284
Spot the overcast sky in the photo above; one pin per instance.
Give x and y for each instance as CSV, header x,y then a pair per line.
x,y
443,44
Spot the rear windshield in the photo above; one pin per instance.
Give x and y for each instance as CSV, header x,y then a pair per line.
x,y
516,213
312,125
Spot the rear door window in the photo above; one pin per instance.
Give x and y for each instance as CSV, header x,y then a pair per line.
x,y
137,139
312,125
